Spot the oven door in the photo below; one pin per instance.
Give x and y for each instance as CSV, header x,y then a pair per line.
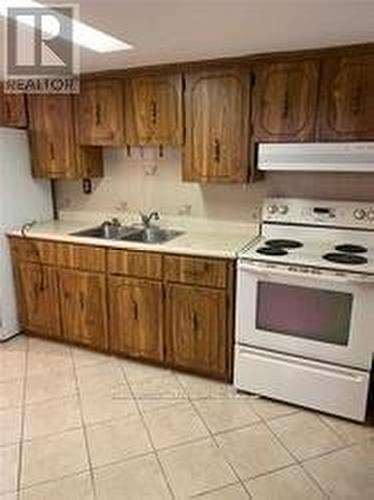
x,y
324,317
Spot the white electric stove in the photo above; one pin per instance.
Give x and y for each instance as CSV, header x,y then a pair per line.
x,y
305,306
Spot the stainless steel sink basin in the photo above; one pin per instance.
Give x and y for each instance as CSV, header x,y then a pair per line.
x,y
127,233
152,235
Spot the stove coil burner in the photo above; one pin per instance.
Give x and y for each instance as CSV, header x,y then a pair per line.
x,y
349,248
283,244
272,251
345,258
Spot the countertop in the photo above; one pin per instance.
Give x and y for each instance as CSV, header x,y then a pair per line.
x,y
220,240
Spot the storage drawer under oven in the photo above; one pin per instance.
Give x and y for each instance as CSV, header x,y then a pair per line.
x,y
327,388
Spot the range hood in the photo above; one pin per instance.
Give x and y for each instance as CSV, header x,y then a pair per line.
x,y
317,157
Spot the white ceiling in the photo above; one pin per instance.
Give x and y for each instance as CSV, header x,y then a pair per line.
x,y
181,30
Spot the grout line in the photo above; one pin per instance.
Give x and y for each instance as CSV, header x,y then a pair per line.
x,y
22,430
149,437
90,467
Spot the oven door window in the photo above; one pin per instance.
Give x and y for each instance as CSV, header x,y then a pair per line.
x,y
308,313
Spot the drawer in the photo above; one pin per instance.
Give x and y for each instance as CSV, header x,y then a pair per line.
x,y
83,257
137,264
32,250
196,271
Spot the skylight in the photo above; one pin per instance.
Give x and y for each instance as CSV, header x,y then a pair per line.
x,y
83,34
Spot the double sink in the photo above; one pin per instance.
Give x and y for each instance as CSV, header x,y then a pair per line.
x,y
152,234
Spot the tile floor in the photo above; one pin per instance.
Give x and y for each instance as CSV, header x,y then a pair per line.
x,y
83,426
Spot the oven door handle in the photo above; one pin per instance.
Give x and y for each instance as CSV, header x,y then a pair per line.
x,y
268,273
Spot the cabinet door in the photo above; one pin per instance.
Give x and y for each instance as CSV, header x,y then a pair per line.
x,y
101,113
347,99
285,101
52,136
38,289
197,329
12,110
154,110
217,118
83,308
136,325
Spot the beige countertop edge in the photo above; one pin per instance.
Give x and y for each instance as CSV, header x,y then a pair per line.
x,y
207,244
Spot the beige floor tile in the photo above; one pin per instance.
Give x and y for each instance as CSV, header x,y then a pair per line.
x,y
107,405
100,376
202,388
346,474
53,457
233,492
54,385
71,488
47,346
163,388
291,483
305,435
11,394
268,408
253,450
12,364
8,468
195,468
50,417
85,357
40,363
16,344
150,405
138,479
350,432
175,425
136,371
117,440
10,426
225,414
9,496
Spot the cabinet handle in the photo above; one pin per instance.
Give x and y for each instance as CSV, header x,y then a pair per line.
x,y
217,151
135,310
98,114
357,101
81,301
286,105
52,151
153,112
195,324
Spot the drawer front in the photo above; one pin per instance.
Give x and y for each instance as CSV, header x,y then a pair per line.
x,y
82,257
31,250
196,271
137,264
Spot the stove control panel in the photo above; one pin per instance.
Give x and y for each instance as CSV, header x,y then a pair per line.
x,y
344,214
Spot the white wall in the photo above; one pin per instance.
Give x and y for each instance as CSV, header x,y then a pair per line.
x,y
144,182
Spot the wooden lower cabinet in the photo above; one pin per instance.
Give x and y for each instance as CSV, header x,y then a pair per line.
x,y
197,329
39,306
83,307
136,317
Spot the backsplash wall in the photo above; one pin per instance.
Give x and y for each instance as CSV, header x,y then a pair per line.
x,y
144,181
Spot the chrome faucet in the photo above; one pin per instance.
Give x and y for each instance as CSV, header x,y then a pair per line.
x,y
147,218
110,227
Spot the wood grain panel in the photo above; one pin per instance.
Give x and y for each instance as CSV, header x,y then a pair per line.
x,y
12,109
83,257
196,271
32,250
136,318
136,264
285,101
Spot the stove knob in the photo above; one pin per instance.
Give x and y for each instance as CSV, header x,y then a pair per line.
x,y
283,209
371,214
359,214
272,209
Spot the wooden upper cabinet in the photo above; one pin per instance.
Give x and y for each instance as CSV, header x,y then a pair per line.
x,y
38,296
12,110
197,330
217,110
285,99
154,111
83,307
347,99
136,317
101,113
54,150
